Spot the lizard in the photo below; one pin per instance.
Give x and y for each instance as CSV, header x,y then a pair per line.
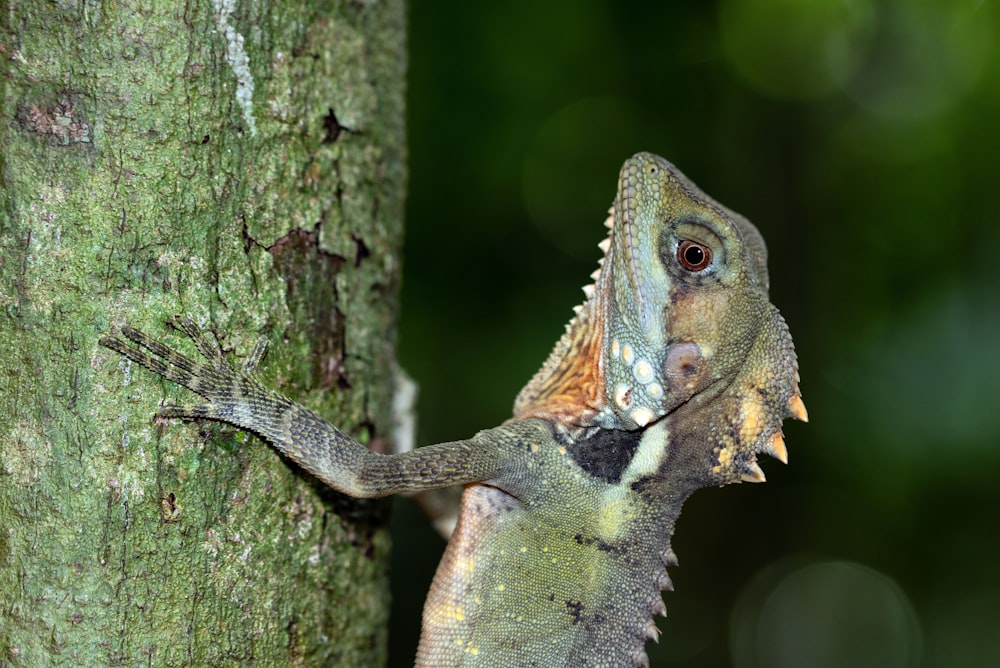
x,y
673,375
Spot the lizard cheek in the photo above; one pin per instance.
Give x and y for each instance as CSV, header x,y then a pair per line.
x,y
684,367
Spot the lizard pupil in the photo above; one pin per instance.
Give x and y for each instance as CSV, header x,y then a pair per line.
x,y
693,256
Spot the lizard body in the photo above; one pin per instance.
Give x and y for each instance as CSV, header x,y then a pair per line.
x,y
673,375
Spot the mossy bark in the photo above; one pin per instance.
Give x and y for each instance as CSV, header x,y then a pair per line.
x,y
241,163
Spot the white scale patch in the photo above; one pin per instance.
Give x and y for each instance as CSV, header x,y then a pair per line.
x,y
643,371
628,354
623,396
648,455
644,375
642,416
617,499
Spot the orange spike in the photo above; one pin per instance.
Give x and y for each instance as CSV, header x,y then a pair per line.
x,y
776,447
797,409
753,473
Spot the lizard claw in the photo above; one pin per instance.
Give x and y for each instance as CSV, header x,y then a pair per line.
x,y
190,329
212,380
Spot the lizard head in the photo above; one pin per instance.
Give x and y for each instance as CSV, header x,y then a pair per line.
x,y
677,325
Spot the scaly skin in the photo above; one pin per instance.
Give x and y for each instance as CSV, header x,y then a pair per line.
x,y
675,373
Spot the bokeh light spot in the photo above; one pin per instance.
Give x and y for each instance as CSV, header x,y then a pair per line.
x,y
568,181
796,49
926,55
825,615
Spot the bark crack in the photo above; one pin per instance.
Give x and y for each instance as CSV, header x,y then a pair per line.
x,y
310,274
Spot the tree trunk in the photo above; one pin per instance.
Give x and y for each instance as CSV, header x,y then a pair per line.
x,y
242,163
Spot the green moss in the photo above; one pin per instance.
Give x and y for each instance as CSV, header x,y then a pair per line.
x,y
133,189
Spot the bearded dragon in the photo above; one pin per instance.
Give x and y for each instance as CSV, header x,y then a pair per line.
x,y
674,374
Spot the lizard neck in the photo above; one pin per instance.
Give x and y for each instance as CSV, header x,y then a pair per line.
x,y
569,390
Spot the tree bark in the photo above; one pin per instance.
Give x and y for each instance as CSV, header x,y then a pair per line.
x,y
242,163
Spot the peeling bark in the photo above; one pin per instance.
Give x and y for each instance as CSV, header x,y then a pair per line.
x,y
242,164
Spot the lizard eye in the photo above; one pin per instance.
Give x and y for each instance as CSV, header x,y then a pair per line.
x,y
693,256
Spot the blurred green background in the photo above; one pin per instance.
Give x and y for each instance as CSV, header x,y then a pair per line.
x,y
863,139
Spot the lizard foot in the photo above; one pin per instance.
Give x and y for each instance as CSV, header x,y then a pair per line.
x,y
215,379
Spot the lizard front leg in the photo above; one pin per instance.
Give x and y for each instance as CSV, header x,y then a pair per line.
x,y
238,397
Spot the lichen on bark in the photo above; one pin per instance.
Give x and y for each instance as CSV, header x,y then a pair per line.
x,y
156,159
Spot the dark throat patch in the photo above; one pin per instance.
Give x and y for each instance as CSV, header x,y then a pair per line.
x,y
606,453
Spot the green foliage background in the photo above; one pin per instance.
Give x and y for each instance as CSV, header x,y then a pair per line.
x,y
862,137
